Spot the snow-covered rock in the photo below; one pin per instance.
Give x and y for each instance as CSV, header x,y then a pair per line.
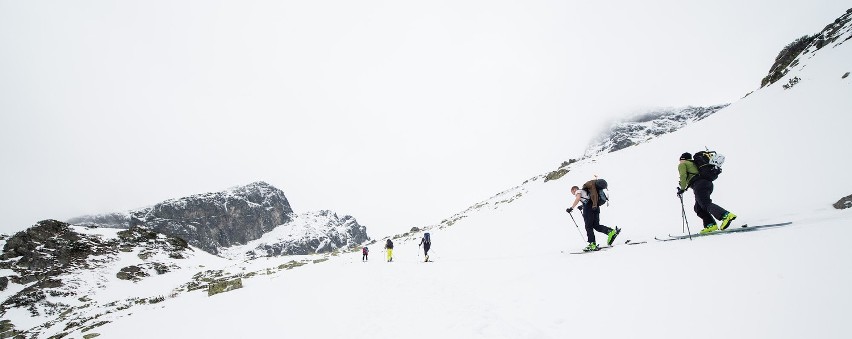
x,y
647,126
306,233
59,273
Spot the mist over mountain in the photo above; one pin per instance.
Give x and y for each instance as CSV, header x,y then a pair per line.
x,y
646,126
242,263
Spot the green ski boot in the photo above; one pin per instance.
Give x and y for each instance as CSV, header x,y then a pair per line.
x,y
726,220
709,229
610,237
592,247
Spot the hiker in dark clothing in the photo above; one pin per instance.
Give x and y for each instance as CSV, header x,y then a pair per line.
x,y
702,187
364,253
426,242
592,218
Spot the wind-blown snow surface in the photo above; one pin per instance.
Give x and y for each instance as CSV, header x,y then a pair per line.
x,y
499,272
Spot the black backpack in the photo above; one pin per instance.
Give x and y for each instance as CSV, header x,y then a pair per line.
x,y
601,186
426,238
709,164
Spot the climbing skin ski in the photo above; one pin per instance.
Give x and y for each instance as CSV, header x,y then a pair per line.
x,y
597,250
628,242
743,228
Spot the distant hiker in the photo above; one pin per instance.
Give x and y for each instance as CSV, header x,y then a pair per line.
x,y
703,187
389,249
364,253
426,242
592,218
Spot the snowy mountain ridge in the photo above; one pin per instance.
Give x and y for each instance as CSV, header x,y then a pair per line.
x,y
500,268
236,216
647,126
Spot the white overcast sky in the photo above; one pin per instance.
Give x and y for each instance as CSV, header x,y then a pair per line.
x,y
399,113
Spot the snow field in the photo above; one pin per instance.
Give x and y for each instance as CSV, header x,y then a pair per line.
x,y
501,273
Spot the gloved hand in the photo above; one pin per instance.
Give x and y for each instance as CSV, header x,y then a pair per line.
x,y
680,191
569,210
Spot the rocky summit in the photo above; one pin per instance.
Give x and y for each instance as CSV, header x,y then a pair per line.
x,y
254,220
208,221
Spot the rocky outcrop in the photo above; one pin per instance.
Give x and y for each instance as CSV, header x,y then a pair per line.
x,y
134,273
785,59
834,34
208,221
843,203
48,249
223,219
45,253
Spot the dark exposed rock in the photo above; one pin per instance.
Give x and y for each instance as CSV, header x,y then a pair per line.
x,y
7,330
160,268
843,203
791,54
222,219
792,82
4,282
134,273
211,220
555,174
48,248
43,252
32,294
786,58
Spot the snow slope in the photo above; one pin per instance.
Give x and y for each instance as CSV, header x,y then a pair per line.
x,y
500,270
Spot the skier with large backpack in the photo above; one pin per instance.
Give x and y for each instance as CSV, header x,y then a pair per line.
x,y
389,249
591,197
426,242
698,172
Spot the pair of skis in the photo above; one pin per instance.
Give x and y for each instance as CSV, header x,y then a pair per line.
x,y
628,242
743,228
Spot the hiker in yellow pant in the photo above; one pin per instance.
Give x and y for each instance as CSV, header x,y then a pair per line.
x,y
389,248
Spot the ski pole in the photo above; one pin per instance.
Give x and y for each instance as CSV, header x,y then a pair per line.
x,y
683,214
575,224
